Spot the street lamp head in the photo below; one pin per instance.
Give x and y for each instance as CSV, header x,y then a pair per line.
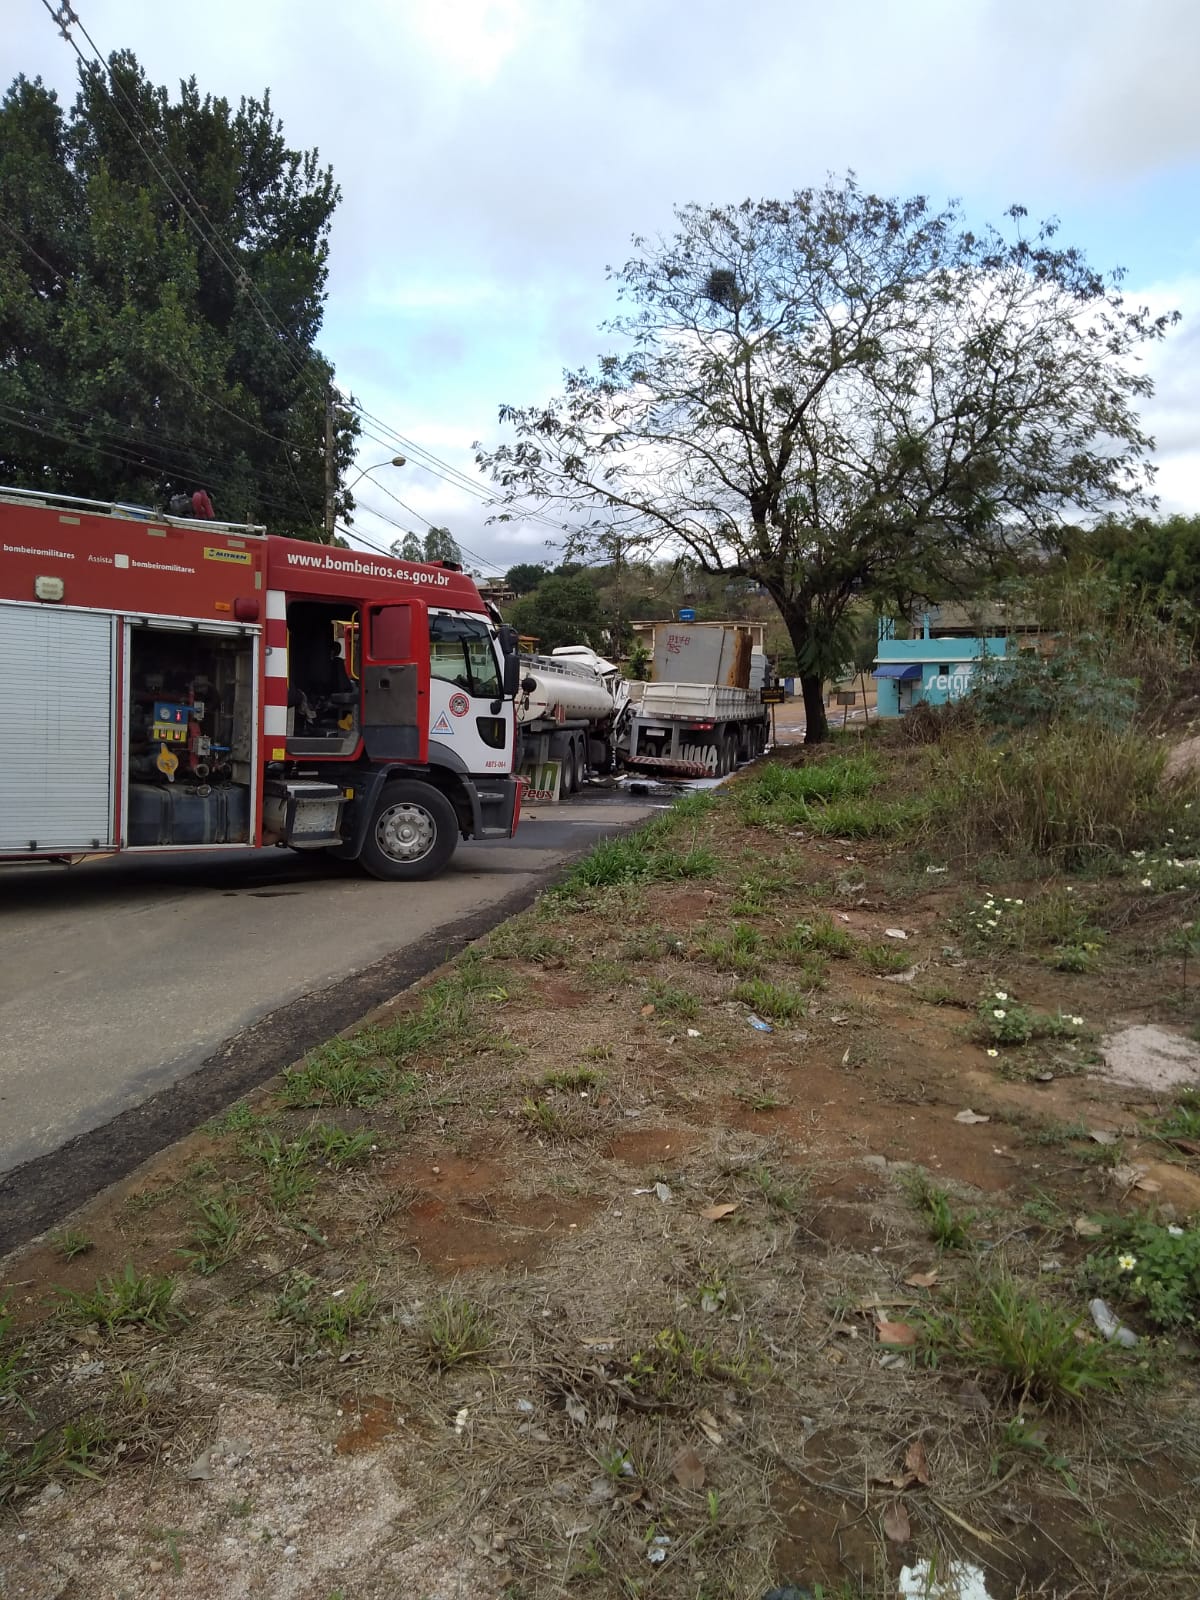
x,y
399,461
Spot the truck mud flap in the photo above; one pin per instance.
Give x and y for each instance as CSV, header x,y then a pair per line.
x,y
684,769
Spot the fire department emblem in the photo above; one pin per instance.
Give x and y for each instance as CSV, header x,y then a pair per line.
x,y
459,705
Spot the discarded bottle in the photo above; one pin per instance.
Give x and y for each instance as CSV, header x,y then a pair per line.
x,y
757,1022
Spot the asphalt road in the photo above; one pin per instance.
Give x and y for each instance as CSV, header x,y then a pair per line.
x,y
137,993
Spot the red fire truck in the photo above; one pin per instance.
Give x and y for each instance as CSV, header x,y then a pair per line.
x,y
171,684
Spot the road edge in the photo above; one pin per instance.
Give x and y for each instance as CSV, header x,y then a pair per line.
x,y
41,1193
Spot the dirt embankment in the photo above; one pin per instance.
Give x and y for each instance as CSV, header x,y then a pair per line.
x,y
565,1277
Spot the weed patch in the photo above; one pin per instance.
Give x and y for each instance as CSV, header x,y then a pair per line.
x,y
134,1299
1065,796
948,1230
1154,1268
634,858
781,1002
882,959
455,1331
328,1319
217,1231
1025,1343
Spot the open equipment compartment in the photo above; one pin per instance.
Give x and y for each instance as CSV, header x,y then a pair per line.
x,y
190,735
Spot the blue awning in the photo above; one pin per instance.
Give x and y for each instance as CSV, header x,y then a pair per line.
x,y
898,671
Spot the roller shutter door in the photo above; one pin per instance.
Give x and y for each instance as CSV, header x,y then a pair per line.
x,y
56,729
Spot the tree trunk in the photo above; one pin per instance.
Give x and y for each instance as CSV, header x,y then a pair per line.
x,y
816,724
797,621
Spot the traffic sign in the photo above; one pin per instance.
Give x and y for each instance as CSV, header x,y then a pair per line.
x,y
687,614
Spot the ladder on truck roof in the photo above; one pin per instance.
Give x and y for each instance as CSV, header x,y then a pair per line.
x,y
118,508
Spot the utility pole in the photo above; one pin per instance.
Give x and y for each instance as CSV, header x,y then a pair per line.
x,y
617,595
330,476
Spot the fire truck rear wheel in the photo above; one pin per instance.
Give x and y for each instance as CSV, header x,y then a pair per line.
x,y
412,834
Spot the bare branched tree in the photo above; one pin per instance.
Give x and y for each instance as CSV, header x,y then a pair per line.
x,y
843,396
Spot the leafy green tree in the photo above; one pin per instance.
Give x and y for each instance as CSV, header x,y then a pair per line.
x,y
560,611
409,548
137,358
1162,557
842,396
440,545
525,576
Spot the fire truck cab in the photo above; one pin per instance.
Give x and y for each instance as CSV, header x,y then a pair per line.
x,y
171,684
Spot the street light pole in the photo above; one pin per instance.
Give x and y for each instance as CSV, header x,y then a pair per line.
x,y
392,461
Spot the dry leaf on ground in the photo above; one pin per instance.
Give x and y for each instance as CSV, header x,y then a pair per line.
x,y
917,1462
896,1524
687,1469
899,1333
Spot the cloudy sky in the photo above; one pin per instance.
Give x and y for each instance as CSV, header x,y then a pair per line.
x,y
496,155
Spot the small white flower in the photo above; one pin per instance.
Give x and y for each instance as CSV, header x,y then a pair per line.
x,y
999,1015
1176,1233
1018,902
1078,1021
1139,855
1127,1263
992,1052
1001,996
1170,830
1147,883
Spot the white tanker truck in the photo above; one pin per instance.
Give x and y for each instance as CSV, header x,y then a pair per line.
x,y
572,708
702,714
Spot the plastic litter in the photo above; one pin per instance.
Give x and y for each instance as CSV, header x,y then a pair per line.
x,y
970,1117
757,1022
941,1580
658,1548
1111,1325
894,933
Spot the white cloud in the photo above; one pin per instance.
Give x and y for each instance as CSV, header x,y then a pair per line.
x,y
495,154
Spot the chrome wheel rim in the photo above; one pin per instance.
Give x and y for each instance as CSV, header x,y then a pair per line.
x,y
405,832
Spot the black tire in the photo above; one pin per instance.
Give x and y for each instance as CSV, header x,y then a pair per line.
x,y
413,832
722,748
566,783
733,752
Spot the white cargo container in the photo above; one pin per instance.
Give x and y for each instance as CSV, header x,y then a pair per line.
x,y
716,653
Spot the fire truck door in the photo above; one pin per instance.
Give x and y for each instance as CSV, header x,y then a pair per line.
x,y
57,710
395,684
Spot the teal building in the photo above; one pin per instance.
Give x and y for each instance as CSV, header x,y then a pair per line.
x,y
929,668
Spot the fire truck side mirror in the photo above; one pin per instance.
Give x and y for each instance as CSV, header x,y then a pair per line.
x,y
509,639
512,675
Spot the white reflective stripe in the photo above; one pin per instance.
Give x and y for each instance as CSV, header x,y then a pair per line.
x,y
275,665
275,721
276,605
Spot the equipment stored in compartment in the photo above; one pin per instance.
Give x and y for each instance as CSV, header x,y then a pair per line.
x,y
190,736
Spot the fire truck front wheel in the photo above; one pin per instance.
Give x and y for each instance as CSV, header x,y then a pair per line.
x,y
412,834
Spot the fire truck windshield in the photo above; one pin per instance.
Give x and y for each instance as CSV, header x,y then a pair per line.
x,y
461,652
